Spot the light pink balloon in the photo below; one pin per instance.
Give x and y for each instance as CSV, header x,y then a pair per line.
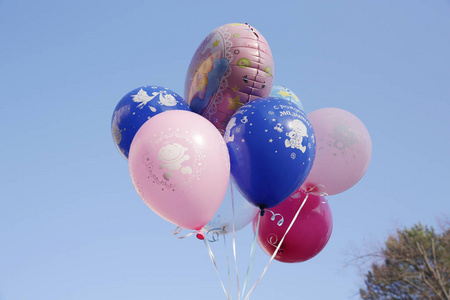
x,y
343,151
180,167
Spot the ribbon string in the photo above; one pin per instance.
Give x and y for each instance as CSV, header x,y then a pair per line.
x,y
211,255
234,243
252,256
215,233
178,230
228,264
274,215
247,297
200,236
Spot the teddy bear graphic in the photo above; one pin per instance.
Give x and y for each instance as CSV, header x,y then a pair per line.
x,y
296,135
172,156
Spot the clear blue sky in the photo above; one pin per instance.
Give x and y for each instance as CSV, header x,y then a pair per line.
x,y
71,224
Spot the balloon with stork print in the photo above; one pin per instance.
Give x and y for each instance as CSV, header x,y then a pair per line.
x,y
138,106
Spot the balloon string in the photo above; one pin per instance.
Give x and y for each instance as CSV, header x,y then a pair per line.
x,y
278,248
252,256
211,255
213,234
228,264
234,242
178,230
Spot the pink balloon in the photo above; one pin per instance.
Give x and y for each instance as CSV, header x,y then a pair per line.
x,y
232,66
307,237
180,167
343,151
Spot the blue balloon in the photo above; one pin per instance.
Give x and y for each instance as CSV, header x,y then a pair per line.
x,y
272,148
136,108
285,93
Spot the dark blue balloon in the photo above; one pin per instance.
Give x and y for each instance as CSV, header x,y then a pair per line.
x,y
272,148
136,108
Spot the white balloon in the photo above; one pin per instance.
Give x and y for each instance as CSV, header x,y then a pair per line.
x,y
244,213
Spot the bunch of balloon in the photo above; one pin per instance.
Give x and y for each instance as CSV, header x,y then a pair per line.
x,y
235,122
344,149
231,67
138,106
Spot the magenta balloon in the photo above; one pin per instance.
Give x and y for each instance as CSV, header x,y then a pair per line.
x,y
180,167
343,151
232,66
307,237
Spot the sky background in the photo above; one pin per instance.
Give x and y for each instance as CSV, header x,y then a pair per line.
x,y
72,225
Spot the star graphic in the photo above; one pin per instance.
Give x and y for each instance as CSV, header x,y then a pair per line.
x,y
234,103
270,141
235,88
284,93
216,43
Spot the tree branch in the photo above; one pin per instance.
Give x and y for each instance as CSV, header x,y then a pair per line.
x,y
428,265
436,268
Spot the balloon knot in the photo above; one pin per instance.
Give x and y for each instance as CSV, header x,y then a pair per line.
x,y
200,235
262,212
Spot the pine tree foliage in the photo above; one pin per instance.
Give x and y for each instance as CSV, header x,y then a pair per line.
x,y
415,264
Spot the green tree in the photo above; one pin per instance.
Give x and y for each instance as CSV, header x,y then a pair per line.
x,y
413,264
